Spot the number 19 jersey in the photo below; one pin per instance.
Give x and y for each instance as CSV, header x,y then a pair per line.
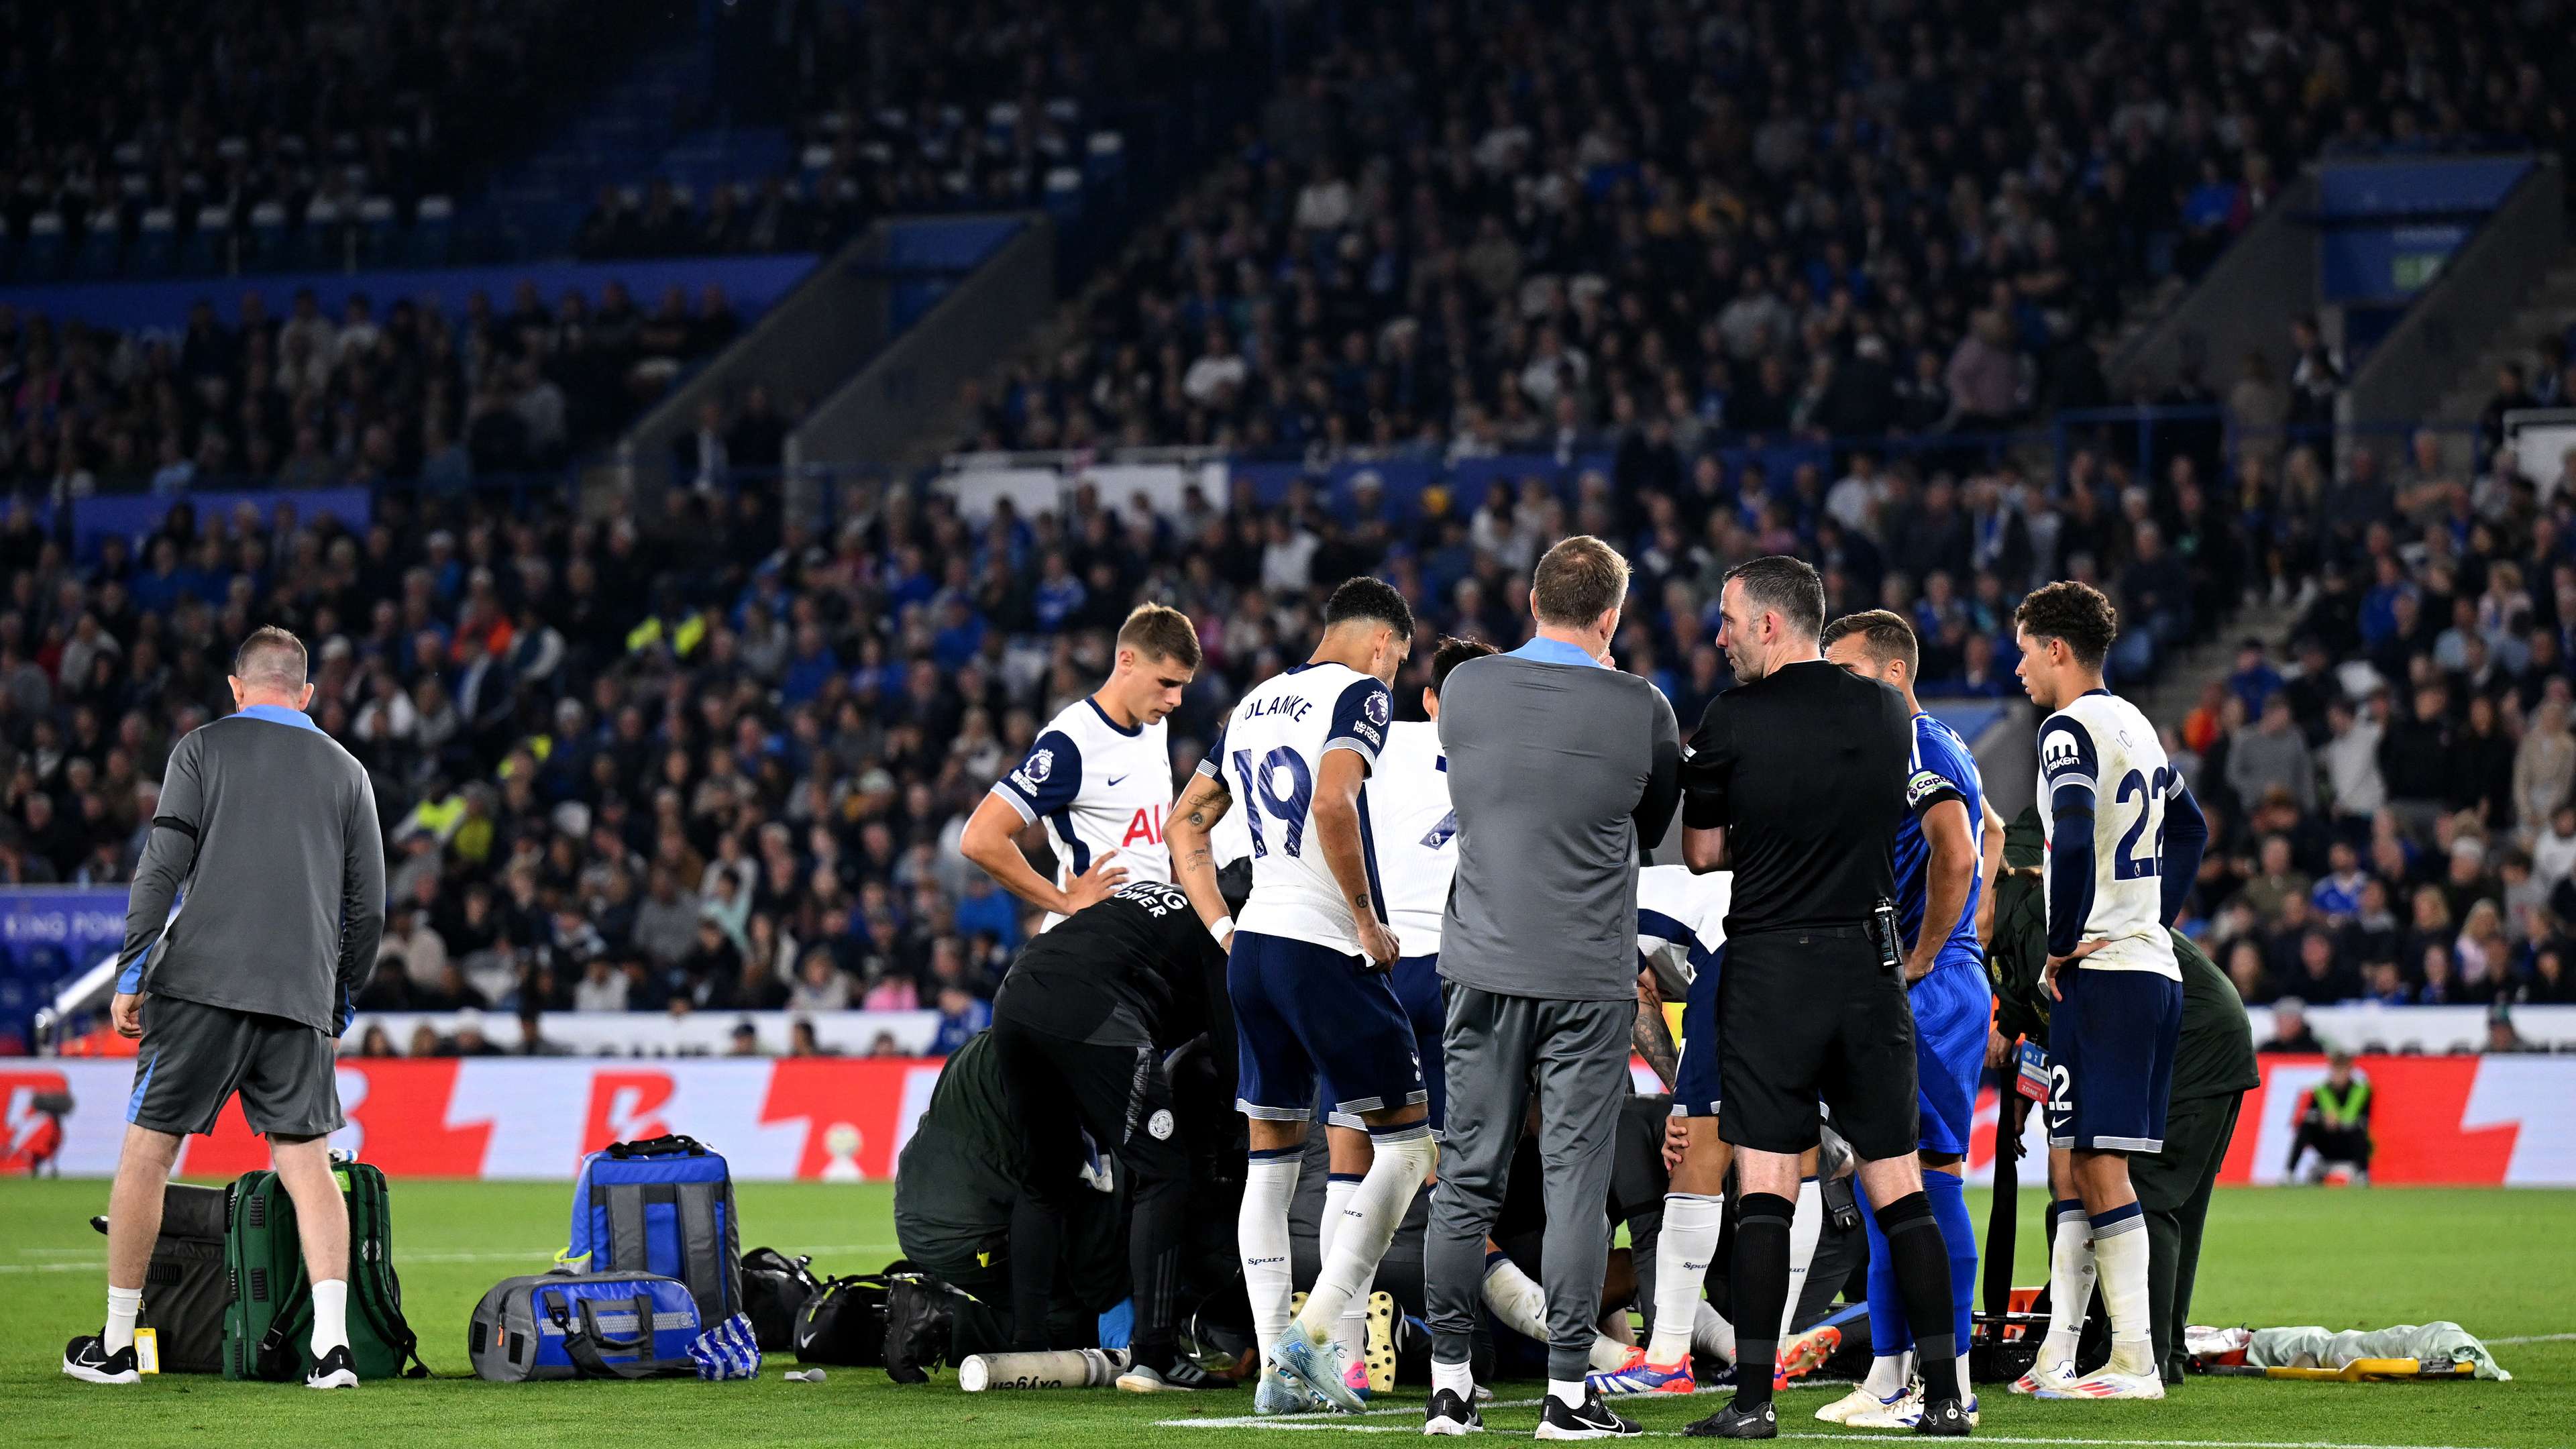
x,y
2101,749
1270,755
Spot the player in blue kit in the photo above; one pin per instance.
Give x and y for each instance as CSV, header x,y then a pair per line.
x,y
1942,864
1308,973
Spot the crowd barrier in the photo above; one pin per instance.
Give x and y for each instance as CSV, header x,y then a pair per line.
x,y
2457,1121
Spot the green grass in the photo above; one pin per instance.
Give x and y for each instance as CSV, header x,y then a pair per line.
x,y
2502,1263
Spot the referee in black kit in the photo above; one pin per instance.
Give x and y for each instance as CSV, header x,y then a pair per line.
x,y
1796,782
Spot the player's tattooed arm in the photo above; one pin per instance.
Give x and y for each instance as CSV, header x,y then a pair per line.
x,y
1652,1037
1202,804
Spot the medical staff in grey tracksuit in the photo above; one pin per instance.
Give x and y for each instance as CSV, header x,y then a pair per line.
x,y
1563,773
266,839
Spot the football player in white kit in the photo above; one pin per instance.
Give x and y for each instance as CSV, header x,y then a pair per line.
x,y
2124,844
1308,974
1099,776
1415,834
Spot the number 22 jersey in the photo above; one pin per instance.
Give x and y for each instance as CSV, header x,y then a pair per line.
x,y
2102,750
1270,756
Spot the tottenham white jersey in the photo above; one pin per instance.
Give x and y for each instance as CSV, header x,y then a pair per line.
x,y
1681,921
1270,755
2101,749
1099,787
1416,833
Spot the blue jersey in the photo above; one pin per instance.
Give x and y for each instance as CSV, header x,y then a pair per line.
x,y
1942,769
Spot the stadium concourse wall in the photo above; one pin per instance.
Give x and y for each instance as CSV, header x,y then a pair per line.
x,y
2453,1120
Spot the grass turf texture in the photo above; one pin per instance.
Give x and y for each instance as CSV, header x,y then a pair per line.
x,y
2501,1263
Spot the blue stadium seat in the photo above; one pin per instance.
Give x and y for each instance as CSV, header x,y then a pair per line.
x,y
40,256
376,230
268,237
318,243
1064,194
210,246
156,243
101,245
433,231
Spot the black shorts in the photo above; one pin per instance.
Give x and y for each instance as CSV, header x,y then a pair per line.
x,y
1060,1089
195,1056
1812,1015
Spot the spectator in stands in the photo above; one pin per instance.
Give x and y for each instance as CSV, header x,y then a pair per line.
x,y
2290,1030
2271,755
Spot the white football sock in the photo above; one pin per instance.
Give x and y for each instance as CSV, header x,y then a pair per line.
x,y
1682,1253
124,1305
2121,1249
1404,1158
1458,1378
1568,1392
1519,1304
1889,1373
1352,1328
1517,1301
1261,1231
1711,1334
1967,1385
1804,1230
2070,1285
330,1315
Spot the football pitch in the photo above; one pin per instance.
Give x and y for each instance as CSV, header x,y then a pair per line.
x,y
2501,1263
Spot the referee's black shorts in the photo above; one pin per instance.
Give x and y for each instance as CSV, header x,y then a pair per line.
x,y
1811,1014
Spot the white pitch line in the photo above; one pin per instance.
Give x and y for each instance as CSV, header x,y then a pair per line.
x,y
94,1265
1343,1421
1339,1424
2532,1338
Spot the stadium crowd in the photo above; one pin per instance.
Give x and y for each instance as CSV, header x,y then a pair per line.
x,y
304,399
2396,791
1758,220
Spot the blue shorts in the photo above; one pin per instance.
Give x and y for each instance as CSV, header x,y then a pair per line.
x,y
1416,980
1695,1089
1953,1011
1301,1009
2111,1053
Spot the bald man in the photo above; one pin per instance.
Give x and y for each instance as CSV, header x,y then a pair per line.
x,y
266,836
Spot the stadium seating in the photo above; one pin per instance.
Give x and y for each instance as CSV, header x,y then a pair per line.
x,y
1686,286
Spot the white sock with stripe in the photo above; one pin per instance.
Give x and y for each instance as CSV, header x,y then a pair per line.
x,y
1261,1231
1682,1253
1405,1156
2120,1247
1352,1327
2070,1284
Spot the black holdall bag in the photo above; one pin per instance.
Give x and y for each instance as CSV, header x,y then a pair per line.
x,y
187,1286
775,1290
844,1322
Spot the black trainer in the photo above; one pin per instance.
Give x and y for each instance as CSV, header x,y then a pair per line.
x,y
333,1370
1944,1418
1593,1421
920,1318
86,1358
1449,1414
1735,1421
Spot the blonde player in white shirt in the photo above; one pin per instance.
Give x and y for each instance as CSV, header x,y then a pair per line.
x,y
1099,777
1309,975
2124,844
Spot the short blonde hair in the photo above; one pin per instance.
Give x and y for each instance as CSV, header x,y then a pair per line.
x,y
1162,632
